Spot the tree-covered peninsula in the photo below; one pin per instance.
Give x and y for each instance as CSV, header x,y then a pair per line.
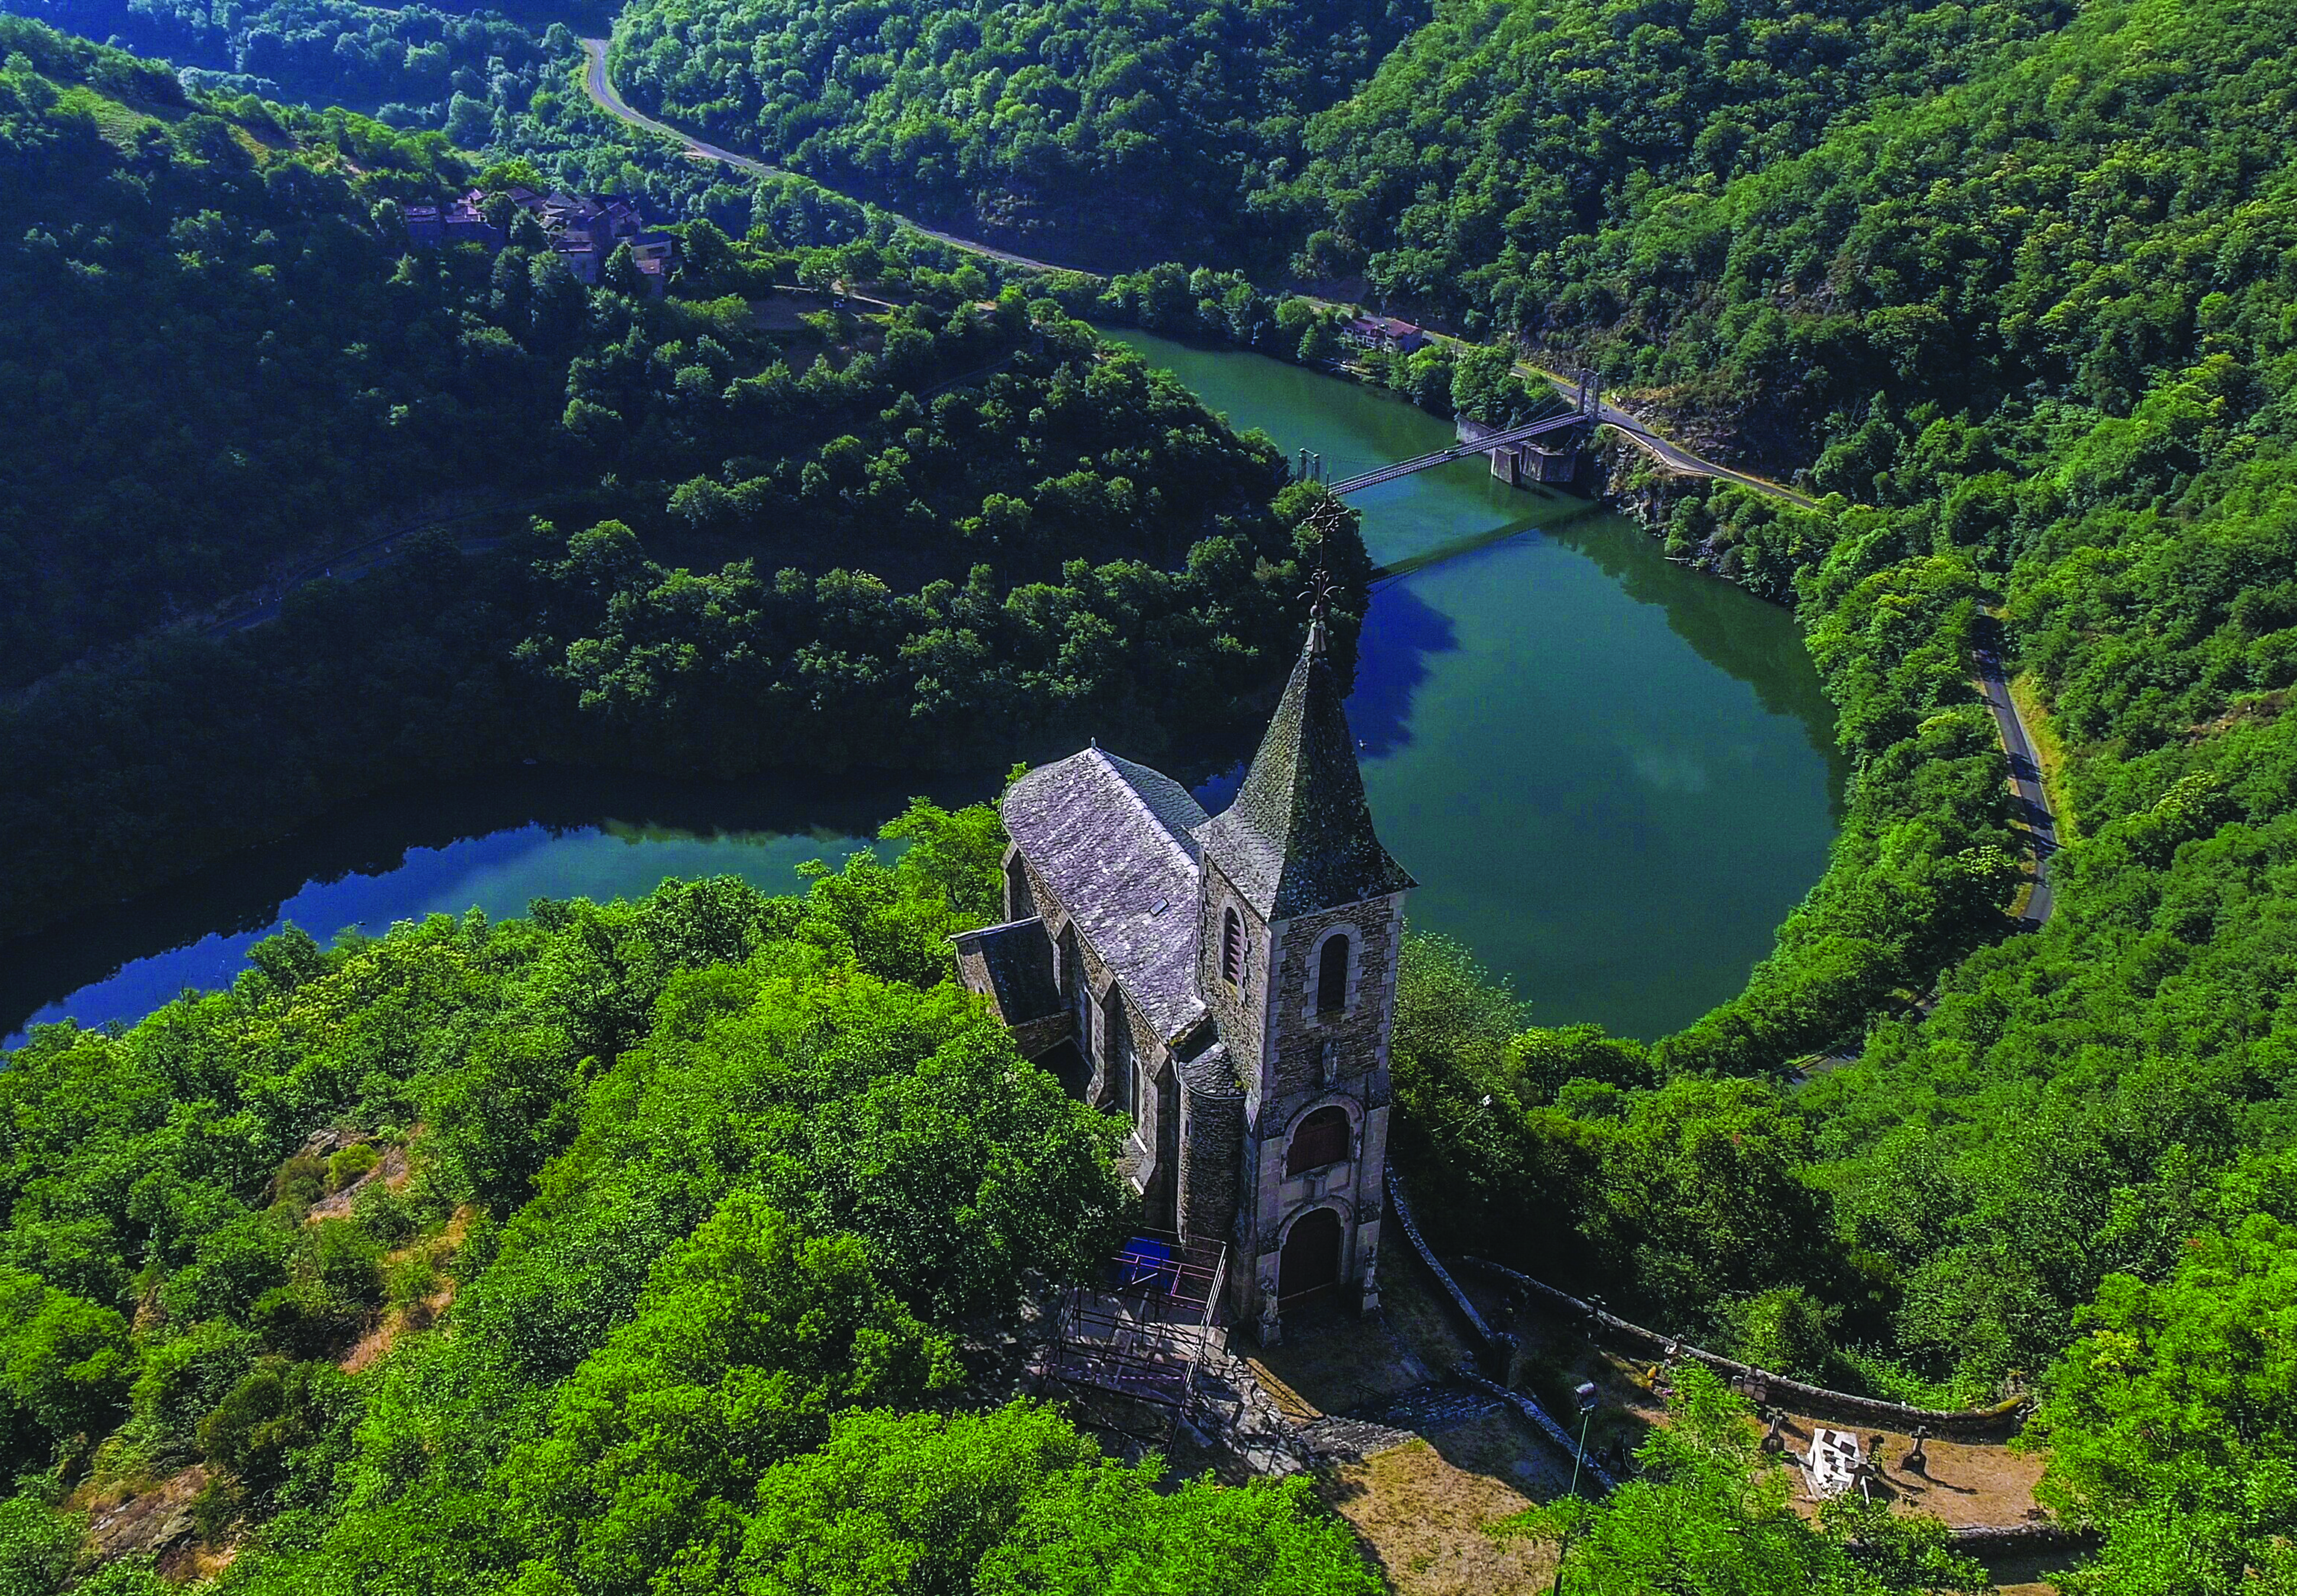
x,y
638,530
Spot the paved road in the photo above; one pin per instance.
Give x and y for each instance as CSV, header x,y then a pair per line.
x,y
608,99
1670,454
2025,775
1679,458
604,93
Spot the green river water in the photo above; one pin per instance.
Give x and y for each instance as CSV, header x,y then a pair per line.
x,y
1612,777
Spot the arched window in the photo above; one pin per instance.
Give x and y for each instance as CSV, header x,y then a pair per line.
x,y
1322,1138
1232,947
1332,976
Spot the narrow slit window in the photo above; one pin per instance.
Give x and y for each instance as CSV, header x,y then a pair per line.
x,y
1332,976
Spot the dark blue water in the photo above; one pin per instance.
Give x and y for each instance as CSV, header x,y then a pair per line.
x,y
496,845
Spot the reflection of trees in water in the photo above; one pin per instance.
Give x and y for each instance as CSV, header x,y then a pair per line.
x,y
1750,638
1747,639
1399,635
246,892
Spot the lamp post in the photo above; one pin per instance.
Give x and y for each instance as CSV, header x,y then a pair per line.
x,y
1587,1395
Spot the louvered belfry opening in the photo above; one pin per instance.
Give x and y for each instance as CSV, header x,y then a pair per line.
x,y
1232,947
1322,1138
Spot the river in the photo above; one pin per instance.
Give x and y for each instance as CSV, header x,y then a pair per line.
x,y
1612,777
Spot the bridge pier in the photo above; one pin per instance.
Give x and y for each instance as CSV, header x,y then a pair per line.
x,y
1477,439
1552,459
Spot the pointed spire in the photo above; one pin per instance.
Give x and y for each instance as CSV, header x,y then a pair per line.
x,y
1299,836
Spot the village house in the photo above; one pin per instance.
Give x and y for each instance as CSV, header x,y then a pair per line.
x,y
1384,333
1227,982
585,231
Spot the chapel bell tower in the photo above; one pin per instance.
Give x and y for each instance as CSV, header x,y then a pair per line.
x,y
1300,922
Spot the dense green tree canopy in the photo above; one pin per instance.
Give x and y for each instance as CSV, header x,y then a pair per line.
x,y
1090,121
962,530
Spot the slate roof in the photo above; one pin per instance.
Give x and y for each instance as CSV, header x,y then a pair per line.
x,y
1013,964
1113,840
1299,836
1210,1073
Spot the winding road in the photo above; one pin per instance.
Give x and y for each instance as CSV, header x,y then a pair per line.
x,y
600,86
1676,457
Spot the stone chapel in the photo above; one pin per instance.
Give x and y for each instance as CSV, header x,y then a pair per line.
x,y
1228,981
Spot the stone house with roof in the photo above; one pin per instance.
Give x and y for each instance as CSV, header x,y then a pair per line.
x,y
1227,982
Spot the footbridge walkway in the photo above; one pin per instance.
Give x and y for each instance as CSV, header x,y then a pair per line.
x,y
1460,452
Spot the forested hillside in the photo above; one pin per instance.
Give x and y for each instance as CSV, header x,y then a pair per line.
x,y
503,87
1106,126
2034,333
759,549
405,62
730,1196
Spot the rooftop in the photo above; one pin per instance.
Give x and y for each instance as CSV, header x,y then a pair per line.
x,y
1299,836
1113,840
1014,965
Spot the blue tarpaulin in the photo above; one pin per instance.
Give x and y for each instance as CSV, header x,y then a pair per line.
x,y
1143,1261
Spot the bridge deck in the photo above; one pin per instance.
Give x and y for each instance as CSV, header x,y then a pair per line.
x,y
1461,451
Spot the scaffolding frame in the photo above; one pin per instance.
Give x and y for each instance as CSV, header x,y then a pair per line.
x,y
1149,1326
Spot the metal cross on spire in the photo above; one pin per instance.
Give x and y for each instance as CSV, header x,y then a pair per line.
x,y
1320,593
1329,517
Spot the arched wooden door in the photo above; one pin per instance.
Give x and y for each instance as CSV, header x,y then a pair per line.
x,y
1310,1264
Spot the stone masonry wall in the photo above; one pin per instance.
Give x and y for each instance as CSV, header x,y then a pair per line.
x,y
1149,1053
1297,1084
1212,1153
1241,1014
1361,1030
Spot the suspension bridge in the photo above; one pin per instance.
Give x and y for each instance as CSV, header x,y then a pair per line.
x,y
1460,452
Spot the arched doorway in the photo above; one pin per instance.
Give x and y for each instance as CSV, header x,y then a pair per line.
x,y
1309,1268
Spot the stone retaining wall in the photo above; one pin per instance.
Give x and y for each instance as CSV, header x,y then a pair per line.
x,y
1499,1348
1944,1422
1498,1345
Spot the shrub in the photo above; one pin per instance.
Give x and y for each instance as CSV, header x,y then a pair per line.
x,y
352,1165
